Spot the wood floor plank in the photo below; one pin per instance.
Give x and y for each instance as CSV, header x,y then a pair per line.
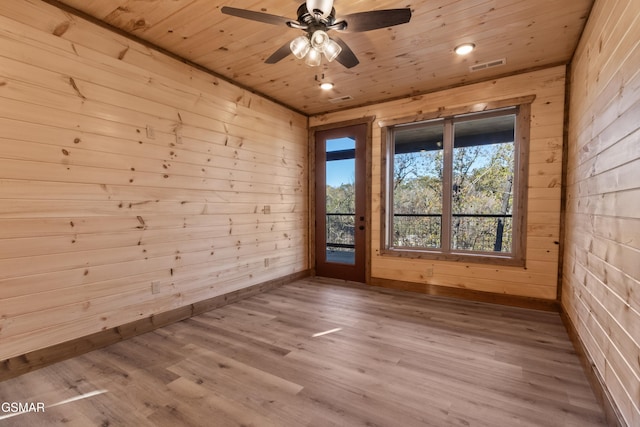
x,y
325,353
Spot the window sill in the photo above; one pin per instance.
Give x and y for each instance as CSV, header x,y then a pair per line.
x,y
475,258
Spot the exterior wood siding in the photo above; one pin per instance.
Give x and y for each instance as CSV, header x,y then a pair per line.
x,y
601,277
538,279
131,183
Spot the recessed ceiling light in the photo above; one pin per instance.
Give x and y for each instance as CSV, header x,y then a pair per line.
x,y
326,85
464,49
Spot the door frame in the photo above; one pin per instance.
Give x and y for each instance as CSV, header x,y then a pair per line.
x,y
368,122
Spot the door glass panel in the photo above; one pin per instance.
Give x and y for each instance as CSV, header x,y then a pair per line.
x,y
340,200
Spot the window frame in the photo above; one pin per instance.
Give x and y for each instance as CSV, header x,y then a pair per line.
x,y
522,108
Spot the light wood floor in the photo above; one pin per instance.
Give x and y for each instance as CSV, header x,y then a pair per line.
x,y
393,359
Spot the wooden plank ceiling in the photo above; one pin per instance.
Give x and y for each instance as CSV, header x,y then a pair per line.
x,y
400,61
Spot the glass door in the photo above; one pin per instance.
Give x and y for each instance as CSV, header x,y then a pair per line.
x,y
340,203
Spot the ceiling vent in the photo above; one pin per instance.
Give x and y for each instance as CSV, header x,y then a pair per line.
x,y
486,65
341,99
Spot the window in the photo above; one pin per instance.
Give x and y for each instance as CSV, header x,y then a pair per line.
x,y
455,187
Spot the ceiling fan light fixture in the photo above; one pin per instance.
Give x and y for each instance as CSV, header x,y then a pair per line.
x,y
313,58
319,39
331,50
464,49
300,46
315,18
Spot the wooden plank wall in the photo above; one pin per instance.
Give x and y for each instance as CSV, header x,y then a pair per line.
x,y
539,278
121,170
601,277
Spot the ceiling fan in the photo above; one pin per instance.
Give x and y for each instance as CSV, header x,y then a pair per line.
x,y
316,18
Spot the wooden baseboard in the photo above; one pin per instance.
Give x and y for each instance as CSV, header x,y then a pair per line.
x,y
15,366
610,409
468,294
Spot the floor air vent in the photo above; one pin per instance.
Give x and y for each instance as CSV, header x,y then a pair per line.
x,y
490,64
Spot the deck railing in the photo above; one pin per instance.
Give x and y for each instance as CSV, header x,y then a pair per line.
x,y
473,232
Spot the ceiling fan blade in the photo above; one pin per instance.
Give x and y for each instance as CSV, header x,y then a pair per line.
x,y
279,54
346,57
256,16
372,20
